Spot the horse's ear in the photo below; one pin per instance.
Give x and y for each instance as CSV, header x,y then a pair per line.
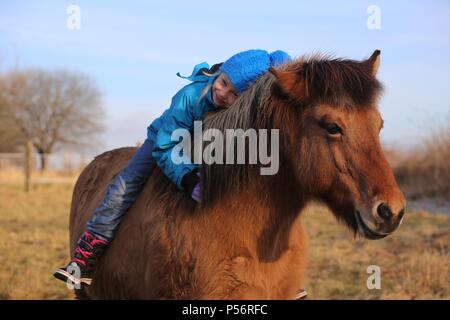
x,y
374,62
285,84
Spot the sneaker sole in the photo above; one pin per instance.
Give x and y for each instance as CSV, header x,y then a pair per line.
x,y
302,294
63,275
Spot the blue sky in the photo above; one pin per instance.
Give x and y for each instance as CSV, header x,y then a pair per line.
x,y
133,49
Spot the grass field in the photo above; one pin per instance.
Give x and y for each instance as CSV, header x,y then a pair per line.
x,y
33,229
414,262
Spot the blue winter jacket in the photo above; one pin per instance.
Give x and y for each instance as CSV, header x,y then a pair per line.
x,y
186,107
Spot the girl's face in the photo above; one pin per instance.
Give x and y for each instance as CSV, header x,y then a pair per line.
x,y
223,92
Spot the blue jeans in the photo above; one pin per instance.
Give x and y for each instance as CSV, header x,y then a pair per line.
x,y
121,193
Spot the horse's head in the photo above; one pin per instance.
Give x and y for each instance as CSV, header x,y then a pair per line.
x,y
331,126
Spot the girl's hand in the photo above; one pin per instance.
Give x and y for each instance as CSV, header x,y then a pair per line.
x,y
191,183
197,193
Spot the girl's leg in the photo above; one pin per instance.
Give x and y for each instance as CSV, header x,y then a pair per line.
x,y
121,194
101,227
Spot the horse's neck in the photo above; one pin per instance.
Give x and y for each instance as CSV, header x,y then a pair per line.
x,y
262,214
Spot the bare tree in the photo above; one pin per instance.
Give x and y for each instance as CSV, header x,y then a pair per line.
x,y
11,138
52,108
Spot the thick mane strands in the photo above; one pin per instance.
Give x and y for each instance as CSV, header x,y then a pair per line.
x,y
222,178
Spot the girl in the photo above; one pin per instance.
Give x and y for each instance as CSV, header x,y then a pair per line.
x,y
206,93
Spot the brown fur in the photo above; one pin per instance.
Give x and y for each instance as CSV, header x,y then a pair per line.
x,y
247,240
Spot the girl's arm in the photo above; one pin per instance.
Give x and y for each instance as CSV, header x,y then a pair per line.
x,y
180,116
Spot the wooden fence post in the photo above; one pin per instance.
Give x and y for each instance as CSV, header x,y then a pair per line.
x,y
28,164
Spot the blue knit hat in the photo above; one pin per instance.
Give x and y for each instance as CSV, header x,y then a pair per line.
x,y
279,57
246,67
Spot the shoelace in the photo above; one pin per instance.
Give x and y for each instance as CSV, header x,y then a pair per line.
x,y
91,240
85,255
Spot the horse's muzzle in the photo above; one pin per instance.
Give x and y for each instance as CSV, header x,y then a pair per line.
x,y
379,223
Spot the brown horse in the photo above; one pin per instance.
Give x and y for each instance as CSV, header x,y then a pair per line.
x,y
246,240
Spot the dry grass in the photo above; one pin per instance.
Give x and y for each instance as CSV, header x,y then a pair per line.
x,y
33,229
15,175
414,262
424,171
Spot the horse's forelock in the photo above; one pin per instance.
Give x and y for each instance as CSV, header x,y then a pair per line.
x,y
335,81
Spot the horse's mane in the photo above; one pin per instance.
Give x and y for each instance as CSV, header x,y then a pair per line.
x,y
242,114
336,82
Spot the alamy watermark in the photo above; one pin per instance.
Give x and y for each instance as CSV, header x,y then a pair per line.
x,y
374,280
74,19
75,271
373,21
234,140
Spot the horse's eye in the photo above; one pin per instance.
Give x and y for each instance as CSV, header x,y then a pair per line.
x,y
333,129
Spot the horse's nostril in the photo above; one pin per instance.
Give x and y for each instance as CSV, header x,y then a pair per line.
x,y
384,212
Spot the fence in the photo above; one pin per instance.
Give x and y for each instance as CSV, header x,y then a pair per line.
x,y
25,160
18,167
